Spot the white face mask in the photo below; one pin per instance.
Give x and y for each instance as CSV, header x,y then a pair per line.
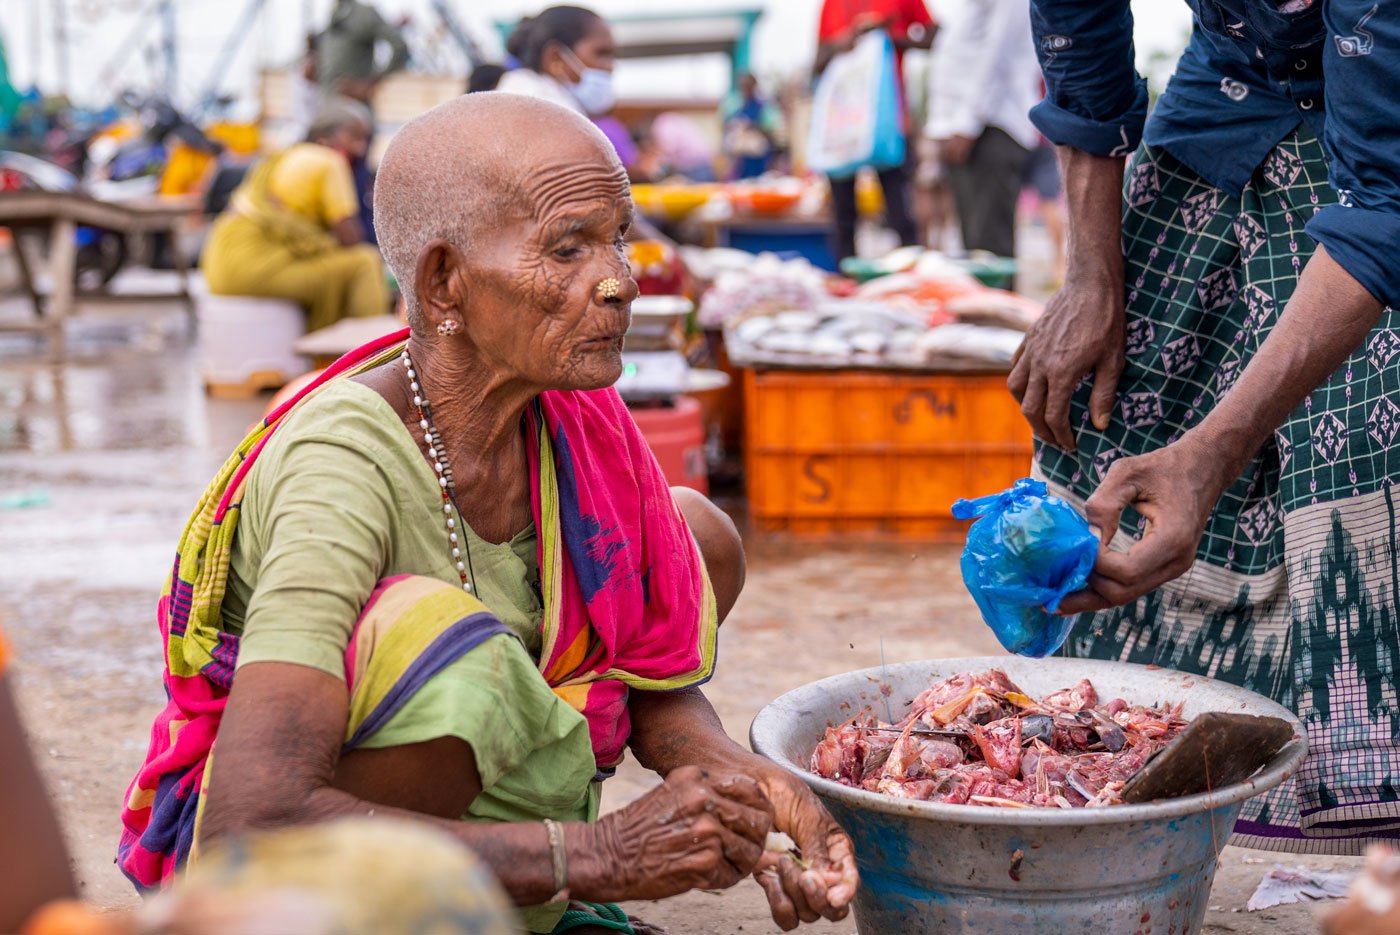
x,y
594,88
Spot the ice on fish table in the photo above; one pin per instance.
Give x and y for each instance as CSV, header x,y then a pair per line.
x,y
797,321
870,342
826,345
752,329
785,342
976,341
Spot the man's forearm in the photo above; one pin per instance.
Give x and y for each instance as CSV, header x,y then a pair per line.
x,y
674,729
1094,192
1327,318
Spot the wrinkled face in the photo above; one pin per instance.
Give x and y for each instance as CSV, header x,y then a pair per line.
x,y
534,310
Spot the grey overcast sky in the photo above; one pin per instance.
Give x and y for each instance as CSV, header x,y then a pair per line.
x,y
101,32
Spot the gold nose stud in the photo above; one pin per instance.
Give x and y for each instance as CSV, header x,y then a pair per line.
x,y
608,289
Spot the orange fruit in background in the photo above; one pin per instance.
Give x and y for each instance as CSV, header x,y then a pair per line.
x,y
71,917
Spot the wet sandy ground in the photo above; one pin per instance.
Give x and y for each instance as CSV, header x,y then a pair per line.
x,y
116,445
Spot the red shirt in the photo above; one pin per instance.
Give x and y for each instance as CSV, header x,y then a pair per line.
x,y
839,17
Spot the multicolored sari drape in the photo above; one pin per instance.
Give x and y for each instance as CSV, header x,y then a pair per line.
x,y
627,602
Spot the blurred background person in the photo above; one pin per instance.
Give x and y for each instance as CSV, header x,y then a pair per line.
x,y
681,147
485,77
347,65
347,52
292,229
986,78
752,126
933,199
566,56
934,212
305,89
910,26
1042,178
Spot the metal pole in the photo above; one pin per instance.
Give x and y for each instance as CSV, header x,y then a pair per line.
x,y
107,77
36,43
167,47
60,40
459,34
232,43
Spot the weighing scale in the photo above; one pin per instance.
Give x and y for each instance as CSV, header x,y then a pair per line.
x,y
653,368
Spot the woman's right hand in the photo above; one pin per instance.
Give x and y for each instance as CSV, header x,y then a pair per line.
x,y
1081,332
694,831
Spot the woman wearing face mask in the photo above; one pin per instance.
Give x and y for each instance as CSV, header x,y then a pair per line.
x,y
292,229
566,56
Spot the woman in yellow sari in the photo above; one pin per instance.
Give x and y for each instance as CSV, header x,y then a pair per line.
x,y
292,229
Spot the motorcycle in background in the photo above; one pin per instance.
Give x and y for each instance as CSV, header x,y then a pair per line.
x,y
159,152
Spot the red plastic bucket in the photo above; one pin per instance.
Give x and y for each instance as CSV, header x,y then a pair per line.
x,y
676,435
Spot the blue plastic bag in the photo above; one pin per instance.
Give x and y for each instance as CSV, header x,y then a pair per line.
x,y
1022,557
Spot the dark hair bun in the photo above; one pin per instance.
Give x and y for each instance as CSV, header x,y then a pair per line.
x,y
519,38
565,25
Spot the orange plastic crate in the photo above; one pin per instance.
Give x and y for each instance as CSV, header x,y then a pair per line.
x,y
880,455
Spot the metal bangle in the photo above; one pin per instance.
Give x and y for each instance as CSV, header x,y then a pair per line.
x,y
560,859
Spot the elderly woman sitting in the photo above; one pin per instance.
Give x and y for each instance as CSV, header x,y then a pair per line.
x,y
292,229
450,582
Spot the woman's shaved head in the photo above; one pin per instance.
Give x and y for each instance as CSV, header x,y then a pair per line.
x,y
502,214
477,167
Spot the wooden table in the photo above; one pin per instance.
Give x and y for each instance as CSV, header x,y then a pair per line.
x,y
326,345
61,214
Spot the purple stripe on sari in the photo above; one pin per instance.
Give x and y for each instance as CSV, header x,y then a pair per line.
x,y
1261,830
452,644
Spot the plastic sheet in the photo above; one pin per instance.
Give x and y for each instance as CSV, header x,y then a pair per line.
x,y
1022,557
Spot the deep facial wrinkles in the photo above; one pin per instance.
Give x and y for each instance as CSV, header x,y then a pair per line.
x,y
554,188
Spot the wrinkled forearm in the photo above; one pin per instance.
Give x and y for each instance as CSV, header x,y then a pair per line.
x,y
674,729
1094,192
518,853
1328,316
277,766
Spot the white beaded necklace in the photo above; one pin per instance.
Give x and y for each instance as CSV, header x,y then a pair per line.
x,y
437,453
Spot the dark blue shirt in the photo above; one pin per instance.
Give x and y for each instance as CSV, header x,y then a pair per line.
x,y
1253,71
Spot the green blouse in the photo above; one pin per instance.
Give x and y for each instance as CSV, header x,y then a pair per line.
x,y
342,497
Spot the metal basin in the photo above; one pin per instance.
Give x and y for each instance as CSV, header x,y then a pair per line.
x,y
935,868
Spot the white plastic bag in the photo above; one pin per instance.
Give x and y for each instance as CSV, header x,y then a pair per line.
x,y
856,111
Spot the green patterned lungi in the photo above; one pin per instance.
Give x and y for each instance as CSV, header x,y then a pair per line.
x,y
1294,590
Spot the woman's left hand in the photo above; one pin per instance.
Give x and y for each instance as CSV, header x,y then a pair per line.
x,y
823,890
